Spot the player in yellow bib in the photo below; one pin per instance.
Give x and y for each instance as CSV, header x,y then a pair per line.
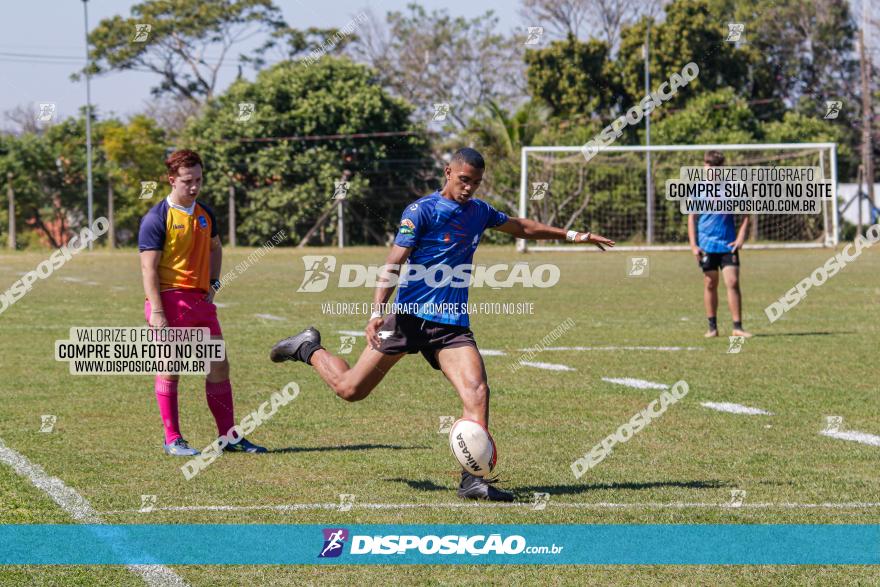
x,y
181,256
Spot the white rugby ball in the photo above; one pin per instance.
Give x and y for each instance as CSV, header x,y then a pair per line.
x,y
473,446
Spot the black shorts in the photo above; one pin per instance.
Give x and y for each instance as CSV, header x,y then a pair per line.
x,y
405,333
712,261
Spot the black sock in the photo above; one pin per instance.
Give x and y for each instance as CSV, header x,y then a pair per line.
x,y
737,325
307,350
713,323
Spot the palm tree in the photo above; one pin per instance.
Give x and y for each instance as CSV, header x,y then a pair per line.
x,y
501,137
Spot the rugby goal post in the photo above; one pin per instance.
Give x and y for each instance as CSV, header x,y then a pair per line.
x,y
609,194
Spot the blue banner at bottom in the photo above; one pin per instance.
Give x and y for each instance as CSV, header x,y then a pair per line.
x,y
251,544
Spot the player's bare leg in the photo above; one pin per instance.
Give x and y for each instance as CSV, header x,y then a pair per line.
x,y
353,383
734,299
349,383
464,368
710,300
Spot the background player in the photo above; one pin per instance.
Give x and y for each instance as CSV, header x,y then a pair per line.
x,y
716,243
180,262
443,228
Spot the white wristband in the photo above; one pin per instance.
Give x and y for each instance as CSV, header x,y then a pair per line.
x,y
376,314
571,235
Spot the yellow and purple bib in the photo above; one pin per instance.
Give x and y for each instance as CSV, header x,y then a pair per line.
x,y
184,237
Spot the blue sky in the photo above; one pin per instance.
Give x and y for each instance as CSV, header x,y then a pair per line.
x,y
56,28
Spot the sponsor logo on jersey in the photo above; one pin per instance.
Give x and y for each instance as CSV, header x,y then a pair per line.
x,y
407,226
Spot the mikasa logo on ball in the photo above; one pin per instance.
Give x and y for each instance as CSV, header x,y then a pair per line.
x,y
473,447
471,463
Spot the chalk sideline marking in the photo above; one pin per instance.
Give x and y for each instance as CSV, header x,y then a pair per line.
x,y
732,408
636,383
853,436
619,348
293,507
548,366
80,510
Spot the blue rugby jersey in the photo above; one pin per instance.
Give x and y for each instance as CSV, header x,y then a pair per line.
x,y
442,233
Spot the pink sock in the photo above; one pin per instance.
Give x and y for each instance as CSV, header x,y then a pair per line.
x,y
166,397
219,396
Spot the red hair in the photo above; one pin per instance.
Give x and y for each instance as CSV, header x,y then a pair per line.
x,y
182,158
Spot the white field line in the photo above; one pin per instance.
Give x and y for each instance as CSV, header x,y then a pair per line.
x,y
293,507
499,353
735,408
548,366
353,332
854,436
636,383
619,348
270,317
80,510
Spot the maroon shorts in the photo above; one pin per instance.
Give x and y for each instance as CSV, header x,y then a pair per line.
x,y
405,333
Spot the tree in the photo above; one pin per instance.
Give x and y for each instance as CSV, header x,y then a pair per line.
x,y
803,55
433,58
593,18
690,33
20,120
176,44
133,153
49,179
500,136
710,117
283,180
574,78
564,17
800,128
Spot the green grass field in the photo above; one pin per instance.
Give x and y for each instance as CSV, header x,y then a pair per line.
x,y
819,360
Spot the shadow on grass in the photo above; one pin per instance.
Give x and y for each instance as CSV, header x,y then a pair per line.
x,y
426,485
345,447
762,335
423,485
585,487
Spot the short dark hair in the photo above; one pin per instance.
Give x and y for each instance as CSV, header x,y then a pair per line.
x,y
182,158
713,158
470,156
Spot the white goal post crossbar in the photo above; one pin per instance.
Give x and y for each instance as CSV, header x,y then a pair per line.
x,y
522,246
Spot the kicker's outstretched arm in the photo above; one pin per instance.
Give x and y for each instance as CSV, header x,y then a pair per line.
x,y
530,229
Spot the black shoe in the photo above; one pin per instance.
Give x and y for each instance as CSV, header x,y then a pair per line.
x,y
244,445
298,347
472,487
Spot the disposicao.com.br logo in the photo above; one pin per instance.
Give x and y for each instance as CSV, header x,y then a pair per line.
x,y
431,544
320,268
